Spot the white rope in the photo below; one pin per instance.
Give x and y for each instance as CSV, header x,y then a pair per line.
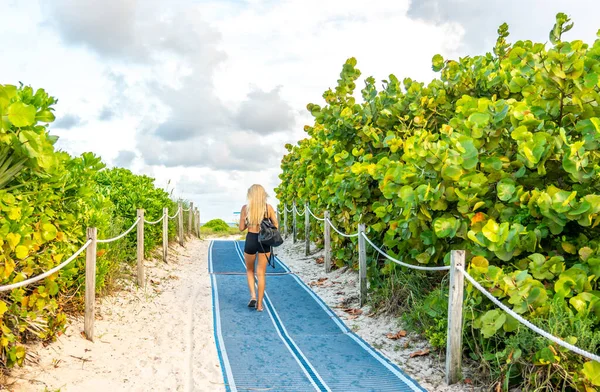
x,y
155,222
290,210
298,212
177,213
120,235
46,274
418,267
339,232
186,210
529,325
314,216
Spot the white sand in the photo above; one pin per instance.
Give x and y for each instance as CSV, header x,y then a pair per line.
x,y
160,339
340,290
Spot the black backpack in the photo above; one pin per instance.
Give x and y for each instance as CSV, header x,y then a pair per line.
x,y
269,236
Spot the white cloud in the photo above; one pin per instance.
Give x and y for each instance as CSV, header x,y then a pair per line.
x,y
203,95
530,20
265,112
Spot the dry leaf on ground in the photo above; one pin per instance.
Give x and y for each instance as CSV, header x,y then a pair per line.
x,y
397,335
318,282
419,353
320,260
353,311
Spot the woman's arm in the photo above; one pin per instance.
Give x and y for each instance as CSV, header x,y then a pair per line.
x,y
242,224
273,216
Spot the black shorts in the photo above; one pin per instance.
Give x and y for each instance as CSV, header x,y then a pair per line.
x,y
252,245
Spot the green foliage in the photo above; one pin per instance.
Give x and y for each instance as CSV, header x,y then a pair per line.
x,y
47,200
217,225
129,192
497,156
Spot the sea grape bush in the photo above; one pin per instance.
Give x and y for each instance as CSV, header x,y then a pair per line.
x,y
47,200
217,225
499,156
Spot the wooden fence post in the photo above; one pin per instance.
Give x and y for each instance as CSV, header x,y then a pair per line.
x,y
90,285
190,218
455,318
285,230
362,264
140,248
327,230
197,223
180,223
307,228
294,213
278,217
165,233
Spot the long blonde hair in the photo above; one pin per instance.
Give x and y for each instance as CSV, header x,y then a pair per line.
x,y
257,204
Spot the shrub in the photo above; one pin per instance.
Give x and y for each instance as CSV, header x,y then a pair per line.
x,y
498,156
217,225
47,200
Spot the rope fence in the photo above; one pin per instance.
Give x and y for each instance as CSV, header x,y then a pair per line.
x,y
456,292
106,241
339,232
90,246
313,215
298,212
155,222
417,267
526,323
49,272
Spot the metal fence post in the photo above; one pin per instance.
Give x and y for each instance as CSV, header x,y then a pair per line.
x,y
90,285
327,230
140,248
307,228
362,264
455,318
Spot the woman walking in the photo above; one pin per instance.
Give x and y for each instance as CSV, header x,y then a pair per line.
x,y
251,216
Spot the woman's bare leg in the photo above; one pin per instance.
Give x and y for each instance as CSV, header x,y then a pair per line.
x,y
260,273
250,259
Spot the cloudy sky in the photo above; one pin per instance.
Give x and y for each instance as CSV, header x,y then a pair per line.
x,y
203,95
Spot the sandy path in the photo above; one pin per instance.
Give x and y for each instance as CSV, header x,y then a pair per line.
x,y
158,339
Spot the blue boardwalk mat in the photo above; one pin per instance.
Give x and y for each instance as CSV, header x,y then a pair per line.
x,y
224,262
296,344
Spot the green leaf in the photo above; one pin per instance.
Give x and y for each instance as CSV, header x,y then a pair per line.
x,y
491,322
45,116
452,172
591,80
52,287
445,226
505,189
490,230
437,63
21,252
591,370
21,114
49,231
480,119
